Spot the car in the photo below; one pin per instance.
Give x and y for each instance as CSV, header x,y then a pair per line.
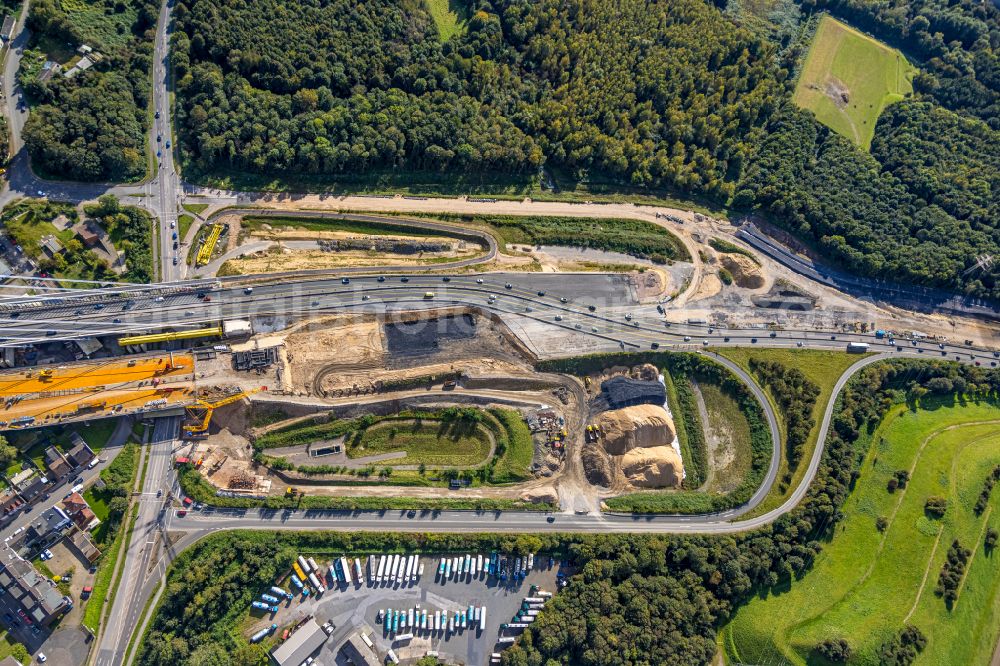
x,y
174,236
345,280
558,317
628,316
773,334
159,153
167,144
158,299
541,293
181,513
365,297
591,307
42,658
175,261
996,354
159,138
940,345
446,279
508,286
833,337
404,279
175,245
550,519
159,493
687,338
564,300
725,339
171,225
117,320
479,280
156,115
577,326
381,278
99,306
655,345
753,339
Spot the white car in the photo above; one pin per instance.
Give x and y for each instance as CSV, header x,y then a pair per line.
x,y
42,658
479,281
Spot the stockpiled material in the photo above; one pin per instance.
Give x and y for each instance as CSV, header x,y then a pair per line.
x,y
641,426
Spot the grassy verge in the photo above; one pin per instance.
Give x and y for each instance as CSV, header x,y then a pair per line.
x,y
195,209
731,459
427,442
722,245
515,448
823,368
184,223
680,396
256,223
868,583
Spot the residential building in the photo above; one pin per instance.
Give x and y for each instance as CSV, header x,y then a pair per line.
x,y
56,463
51,246
7,31
46,530
80,454
80,512
34,596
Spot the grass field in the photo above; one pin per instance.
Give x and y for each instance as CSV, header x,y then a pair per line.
x,y
256,223
449,17
867,584
428,442
821,367
197,209
848,78
730,461
105,30
184,223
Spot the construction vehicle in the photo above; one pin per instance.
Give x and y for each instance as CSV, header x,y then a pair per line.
x,y
45,374
201,412
205,253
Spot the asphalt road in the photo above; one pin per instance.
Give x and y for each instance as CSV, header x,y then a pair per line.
x,y
139,565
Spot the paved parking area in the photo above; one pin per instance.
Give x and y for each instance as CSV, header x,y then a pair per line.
x,y
355,608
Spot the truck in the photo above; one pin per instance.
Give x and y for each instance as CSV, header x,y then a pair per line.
x,y
416,565
297,582
281,592
857,347
410,620
387,621
312,564
315,583
381,569
482,618
260,635
535,600
270,598
358,572
345,567
407,570
371,569
260,605
428,295
531,561
437,621
303,564
391,656
402,638
879,334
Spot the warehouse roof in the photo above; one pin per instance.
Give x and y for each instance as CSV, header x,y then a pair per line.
x,y
299,645
624,392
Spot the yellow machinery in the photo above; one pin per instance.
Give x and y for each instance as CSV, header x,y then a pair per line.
x,y
201,411
45,374
205,253
175,335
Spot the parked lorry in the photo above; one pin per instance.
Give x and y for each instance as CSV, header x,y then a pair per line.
x,y
270,598
857,347
260,635
281,592
260,605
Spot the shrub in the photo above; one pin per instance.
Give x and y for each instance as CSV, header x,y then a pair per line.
x,y
935,506
834,649
725,276
952,571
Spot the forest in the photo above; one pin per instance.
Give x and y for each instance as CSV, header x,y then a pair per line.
x,y
633,596
668,96
331,87
93,126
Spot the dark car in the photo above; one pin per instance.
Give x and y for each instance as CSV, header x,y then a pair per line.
x,y
541,293
446,279
381,278
591,307
655,345
345,280
404,279
550,519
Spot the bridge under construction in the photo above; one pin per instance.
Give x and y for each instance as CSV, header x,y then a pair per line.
x,y
36,397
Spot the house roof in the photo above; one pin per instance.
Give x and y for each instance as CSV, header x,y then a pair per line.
x,y
79,455
74,503
300,645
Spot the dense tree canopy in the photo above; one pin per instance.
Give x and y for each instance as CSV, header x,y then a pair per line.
x,y
652,94
92,126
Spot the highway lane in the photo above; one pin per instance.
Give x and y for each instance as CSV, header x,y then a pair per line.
x,y
147,532
610,296
165,182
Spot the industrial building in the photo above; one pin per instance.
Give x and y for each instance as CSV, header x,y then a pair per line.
x,y
358,653
624,392
31,593
300,645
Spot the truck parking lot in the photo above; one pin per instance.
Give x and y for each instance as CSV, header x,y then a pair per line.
x,y
362,607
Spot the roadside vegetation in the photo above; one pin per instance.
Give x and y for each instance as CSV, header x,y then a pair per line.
x,y
818,368
257,222
131,231
729,460
881,569
90,126
690,431
111,505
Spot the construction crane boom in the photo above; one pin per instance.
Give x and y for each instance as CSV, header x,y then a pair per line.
x,y
201,411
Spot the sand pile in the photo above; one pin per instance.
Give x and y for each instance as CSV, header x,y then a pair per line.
x,y
546,494
597,465
641,426
646,372
745,272
653,467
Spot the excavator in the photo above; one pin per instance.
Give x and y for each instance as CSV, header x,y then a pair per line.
x,y
200,413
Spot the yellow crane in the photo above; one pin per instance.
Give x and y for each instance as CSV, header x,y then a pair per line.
x,y
201,411
205,253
